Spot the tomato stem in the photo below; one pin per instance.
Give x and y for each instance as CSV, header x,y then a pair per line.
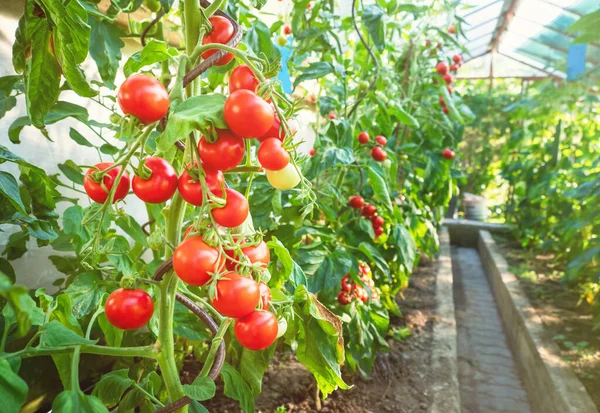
x,y
216,341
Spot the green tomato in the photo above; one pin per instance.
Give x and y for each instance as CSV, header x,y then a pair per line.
x,y
281,40
403,157
363,85
114,118
281,327
387,164
286,178
152,5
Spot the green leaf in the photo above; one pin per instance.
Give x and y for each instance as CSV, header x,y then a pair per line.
x,y
16,127
379,185
258,38
86,292
587,24
405,245
74,401
109,149
395,110
72,171
155,51
42,79
314,70
373,19
6,103
105,48
203,388
236,388
13,389
112,386
197,113
374,255
7,269
21,44
132,228
10,188
113,335
166,4
54,334
196,407
79,138
71,35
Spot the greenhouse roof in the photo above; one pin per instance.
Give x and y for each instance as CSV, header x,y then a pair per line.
x,y
531,32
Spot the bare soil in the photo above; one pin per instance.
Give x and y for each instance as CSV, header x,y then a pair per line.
x,y
401,382
567,318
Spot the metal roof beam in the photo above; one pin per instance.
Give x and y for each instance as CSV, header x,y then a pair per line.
x,y
501,77
477,56
503,23
572,36
530,65
481,24
573,12
481,8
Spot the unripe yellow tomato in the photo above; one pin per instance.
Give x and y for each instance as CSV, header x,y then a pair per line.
x,y
286,178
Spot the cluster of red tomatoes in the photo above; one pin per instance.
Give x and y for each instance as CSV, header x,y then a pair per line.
x,y
442,69
350,290
377,152
368,211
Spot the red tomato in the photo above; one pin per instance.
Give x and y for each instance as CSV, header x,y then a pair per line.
x,y
95,190
363,137
276,131
448,78
312,152
454,67
381,140
259,253
191,190
194,261
451,30
309,5
377,221
161,185
257,330
129,309
242,77
378,231
445,110
235,211
344,298
143,97
457,58
236,296
287,29
332,115
378,154
356,201
222,32
427,43
442,101
450,90
225,153
265,295
368,211
448,153
442,68
346,284
247,114
272,156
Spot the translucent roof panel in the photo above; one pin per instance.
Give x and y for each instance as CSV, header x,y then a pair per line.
x,y
531,31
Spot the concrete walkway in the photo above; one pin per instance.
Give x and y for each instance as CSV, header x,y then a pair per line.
x,y
487,373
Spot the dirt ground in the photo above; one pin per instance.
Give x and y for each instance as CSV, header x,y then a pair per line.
x,y
401,382
568,323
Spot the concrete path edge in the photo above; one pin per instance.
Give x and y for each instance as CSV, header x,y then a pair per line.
x,y
550,381
446,394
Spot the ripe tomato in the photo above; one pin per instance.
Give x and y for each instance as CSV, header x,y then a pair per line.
x,y
161,185
442,101
194,261
378,153
143,97
309,5
235,211
191,190
129,309
368,211
346,284
363,137
95,190
287,29
457,58
259,253
247,114
441,68
236,296
445,110
222,32
381,140
242,77
272,156
344,298
332,115
256,331
225,153
312,152
378,231
450,90
265,295
448,153
286,178
276,131
377,221
454,67
356,201
448,78
451,30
